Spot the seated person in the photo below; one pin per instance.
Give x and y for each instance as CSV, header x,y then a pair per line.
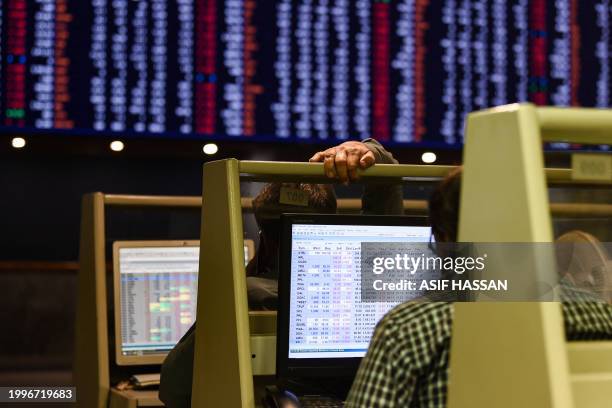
x,y
262,270
584,262
407,361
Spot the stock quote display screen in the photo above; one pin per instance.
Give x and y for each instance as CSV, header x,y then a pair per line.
x,y
404,72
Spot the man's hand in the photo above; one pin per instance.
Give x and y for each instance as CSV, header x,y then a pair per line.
x,y
343,161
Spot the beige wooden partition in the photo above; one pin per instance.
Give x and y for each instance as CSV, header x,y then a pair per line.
x,y
91,367
507,355
222,368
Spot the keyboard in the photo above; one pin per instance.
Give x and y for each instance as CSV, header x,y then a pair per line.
x,y
145,380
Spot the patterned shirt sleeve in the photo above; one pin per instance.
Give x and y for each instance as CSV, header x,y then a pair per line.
x,y
374,385
407,360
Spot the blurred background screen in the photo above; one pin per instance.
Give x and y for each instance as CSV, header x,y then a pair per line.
x,y
405,72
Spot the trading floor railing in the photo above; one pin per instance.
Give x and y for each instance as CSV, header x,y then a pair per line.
x,y
223,375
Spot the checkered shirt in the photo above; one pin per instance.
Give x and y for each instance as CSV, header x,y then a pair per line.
x,y
408,359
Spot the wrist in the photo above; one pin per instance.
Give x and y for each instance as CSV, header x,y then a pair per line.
x,y
372,145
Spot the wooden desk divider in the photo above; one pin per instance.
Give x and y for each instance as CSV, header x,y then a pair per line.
x,y
507,355
222,367
91,367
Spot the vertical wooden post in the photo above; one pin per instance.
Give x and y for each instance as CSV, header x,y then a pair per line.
x,y
91,372
222,375
507,355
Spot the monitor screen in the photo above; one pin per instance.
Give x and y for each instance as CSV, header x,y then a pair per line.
x,y
324,316
156,285
404,72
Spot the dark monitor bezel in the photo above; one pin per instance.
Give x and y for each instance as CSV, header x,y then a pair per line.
x,y
317,367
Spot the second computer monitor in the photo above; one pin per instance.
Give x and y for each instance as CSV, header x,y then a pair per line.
x,y
155,290
324,325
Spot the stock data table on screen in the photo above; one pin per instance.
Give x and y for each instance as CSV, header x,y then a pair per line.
x,y
328,318
158,296
405,72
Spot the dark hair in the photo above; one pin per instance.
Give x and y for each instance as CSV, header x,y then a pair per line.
x,y
267,208
444,219
321,199
444,207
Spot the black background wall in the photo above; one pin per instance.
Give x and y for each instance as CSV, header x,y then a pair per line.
x,y
41,196
41,185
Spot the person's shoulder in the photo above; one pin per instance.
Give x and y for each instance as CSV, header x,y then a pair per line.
x,y
587,319
417,325
177,372
415,335
411,314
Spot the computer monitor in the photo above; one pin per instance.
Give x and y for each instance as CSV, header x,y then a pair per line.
x,y
324,327
155,288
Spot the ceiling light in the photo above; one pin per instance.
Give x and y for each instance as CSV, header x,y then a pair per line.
x,y
117,145
429,157
18,142
210,148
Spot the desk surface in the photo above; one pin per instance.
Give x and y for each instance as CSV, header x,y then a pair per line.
x,y
134,398
150,398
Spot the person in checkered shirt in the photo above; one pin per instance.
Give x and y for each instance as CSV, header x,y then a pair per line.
x,y
407,362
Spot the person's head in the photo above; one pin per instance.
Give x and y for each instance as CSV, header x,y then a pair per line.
x,y
444,207
584,261
275,199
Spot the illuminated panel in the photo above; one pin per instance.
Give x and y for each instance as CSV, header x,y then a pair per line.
x,y
406,72
327,317
158,297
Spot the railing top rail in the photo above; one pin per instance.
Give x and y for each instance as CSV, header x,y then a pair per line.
x,y
578,125
315,170
554,176
571,125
